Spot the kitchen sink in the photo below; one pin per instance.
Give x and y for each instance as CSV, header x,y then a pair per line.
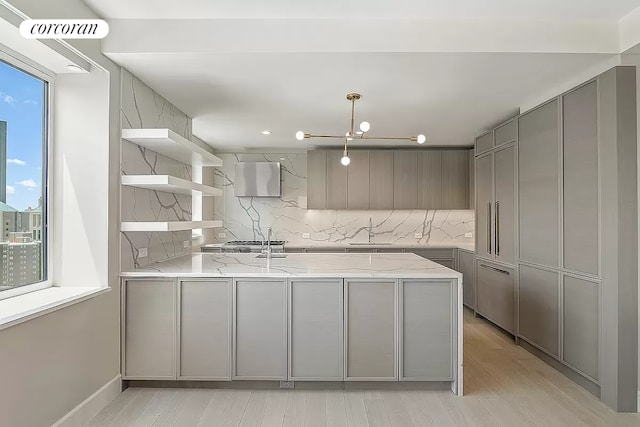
x,y
369,244
272,256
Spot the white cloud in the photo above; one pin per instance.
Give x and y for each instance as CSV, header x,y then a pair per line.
x,y
16,162
11,189
7,98
30,101
29,183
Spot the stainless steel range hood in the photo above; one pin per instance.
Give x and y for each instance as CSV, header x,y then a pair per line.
x,y
257,179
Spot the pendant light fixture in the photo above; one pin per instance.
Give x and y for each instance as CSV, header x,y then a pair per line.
x,y
359,135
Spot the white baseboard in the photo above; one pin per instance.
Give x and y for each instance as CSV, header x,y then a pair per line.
x,y
92,405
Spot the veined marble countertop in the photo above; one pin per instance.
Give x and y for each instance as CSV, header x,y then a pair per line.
x,y
469,247
353,265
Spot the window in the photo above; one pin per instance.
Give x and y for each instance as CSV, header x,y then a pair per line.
x,y
24,134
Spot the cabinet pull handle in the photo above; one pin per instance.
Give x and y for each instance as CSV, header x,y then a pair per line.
x,y
498,270
497,228
488,227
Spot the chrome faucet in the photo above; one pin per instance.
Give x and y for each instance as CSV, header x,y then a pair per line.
x,y
371,235
268,251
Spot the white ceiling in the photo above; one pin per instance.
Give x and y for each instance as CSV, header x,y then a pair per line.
x,y
448,69
220,9
449,97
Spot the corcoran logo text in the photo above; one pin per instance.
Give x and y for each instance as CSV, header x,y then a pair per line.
x,y
64,29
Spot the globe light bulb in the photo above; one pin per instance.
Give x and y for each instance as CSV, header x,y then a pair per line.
x,y
299,135
365,126
345,160
422,139
349,137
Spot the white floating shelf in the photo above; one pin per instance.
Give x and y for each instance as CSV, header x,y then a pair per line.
x,y
170,144
169,184
167,225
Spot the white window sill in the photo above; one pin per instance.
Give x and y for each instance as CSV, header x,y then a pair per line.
x,y
25,307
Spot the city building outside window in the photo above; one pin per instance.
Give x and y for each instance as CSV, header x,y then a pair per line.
x,y
24,135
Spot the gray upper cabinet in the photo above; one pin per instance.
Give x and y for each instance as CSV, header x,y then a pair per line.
x,y
472,180
380,179
580,222
260,330
455,179
484,142
538,169
538,307
505,133
316,330
336,181
430,179
427,325
317,179
358,180
466,266
504,204
205,329
484,206
405,179
149,329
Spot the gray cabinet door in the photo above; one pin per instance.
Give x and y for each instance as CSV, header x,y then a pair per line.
x,y
380,179
495,294
580,222
484,142
149,329
317,179
371,339
466,266
472,180
506,133
204,326
484,206
538,144
455,179
405,179
538,307
260,345
504,205
427,325
336,181
429,179
315,330
358,180
581,319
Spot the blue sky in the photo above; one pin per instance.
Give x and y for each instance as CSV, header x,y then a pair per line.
x,y
21,99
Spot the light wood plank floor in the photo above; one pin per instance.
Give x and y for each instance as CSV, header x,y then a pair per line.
x,y
504,386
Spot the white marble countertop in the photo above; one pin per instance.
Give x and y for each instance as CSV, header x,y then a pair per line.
x,y
469,247
377,265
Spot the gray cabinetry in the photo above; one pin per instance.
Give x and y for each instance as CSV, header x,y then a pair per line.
x,y
442,256
427,325
204,326
371,333
405,179
581,319
495,294
538,307
316,330
538,146
380,179
580,186
430,179
484,142
260,344
317,179
505,133
358,180
149,327
484,206
504,204
336,181
466,266
455,179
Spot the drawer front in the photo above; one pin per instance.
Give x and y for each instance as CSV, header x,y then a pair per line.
x,y
439,253
495,294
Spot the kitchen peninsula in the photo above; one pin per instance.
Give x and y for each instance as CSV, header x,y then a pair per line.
x,y
301,317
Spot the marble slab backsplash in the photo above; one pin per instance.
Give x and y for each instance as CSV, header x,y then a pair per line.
x,y
142,107
248,218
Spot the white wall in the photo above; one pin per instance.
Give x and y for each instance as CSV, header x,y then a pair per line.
x,y
51,364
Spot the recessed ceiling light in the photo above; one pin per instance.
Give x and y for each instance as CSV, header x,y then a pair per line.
x,y
75,68
266,132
